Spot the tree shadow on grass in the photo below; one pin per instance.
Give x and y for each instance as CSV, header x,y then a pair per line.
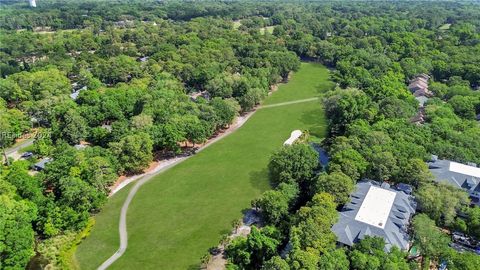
x,y
315,121
324,87
259,180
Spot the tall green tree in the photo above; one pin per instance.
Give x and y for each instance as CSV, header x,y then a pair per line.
x,y
343,106
258,247
275,204
134,152
334,260
226,110
370,253
336,183
349,162
430,239
297,161
314,221
441,202
16,232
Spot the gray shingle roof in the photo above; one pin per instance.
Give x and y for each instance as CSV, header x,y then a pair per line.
x,y
349,229
42,163
458,175
76,93
422,100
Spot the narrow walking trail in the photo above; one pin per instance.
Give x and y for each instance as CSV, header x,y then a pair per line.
x,y
122,227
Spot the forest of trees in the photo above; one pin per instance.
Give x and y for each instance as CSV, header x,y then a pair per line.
x,y
129,110
140,64
374,52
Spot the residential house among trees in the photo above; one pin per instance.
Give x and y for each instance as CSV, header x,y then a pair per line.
x,y
40,166
419,88
376,210
466,177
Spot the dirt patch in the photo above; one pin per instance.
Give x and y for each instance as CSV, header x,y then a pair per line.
x,y
119,180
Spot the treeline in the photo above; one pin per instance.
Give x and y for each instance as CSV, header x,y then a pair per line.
x,y
194,54
179,57
70,15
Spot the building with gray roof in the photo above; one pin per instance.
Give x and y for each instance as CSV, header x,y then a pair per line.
x,y
422,100
74,95
420,82
39,166
376,210
466,177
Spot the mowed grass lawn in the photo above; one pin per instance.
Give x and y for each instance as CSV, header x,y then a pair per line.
x,y
178,215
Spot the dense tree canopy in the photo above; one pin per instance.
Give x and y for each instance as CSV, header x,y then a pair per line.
x,y
16,232
336,183
369,254
428,237
295,162
313,224
441,202
251,252
149,78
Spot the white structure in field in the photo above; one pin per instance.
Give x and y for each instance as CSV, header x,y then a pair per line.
x,y
32,3
293,137
376,207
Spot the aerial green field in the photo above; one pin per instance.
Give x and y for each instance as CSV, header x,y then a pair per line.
x,y
179,214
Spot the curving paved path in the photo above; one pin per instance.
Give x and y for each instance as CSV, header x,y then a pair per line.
x,y
122,227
